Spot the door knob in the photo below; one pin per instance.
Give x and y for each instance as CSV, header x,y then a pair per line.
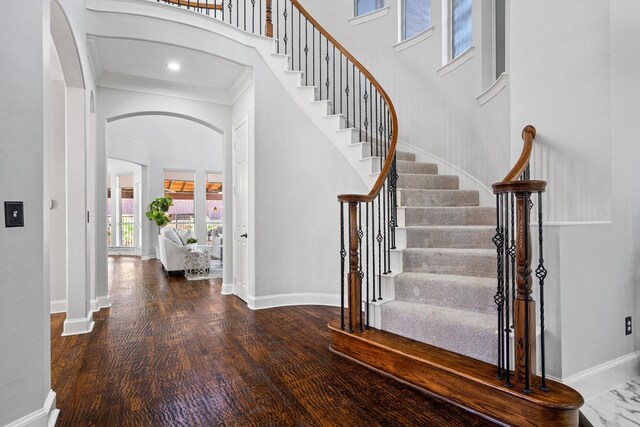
x,y
243,235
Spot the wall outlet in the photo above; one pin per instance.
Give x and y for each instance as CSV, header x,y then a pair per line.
x,y
627,325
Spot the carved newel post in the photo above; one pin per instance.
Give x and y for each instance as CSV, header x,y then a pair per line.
x,y
355,292
268,26
525,337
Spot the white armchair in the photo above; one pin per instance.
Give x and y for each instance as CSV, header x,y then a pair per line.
x,y
172,254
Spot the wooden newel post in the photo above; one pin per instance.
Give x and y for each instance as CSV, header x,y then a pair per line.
x,y
268,26
524,287
355,297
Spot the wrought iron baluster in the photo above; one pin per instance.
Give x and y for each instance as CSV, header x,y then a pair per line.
x,y
507,324
512,255
244,15
498,240
366,119
343,254
541,274
371,115
366,239
306,52
373,249
359,101
320,65
285,39
527,292
379,239
360,271
340,91
293,35
346,89
278,25
327,58
333,63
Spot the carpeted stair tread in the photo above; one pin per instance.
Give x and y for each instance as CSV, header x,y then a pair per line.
x,y
450,215
427,182
456,237
460,292
403,155
425,198
463,262
405,166
465,332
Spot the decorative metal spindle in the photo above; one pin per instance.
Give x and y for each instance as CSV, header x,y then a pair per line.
x,y
278,24
238,14
385,218
320,66
343,254
244,13
359,101
206,7
360,271
512,255
375,129
313,57
340,92
379,239
371,115
350,268
260,16
230,6
381,141
306,52
541,274
498,240
353,80
299,41
366,117
292,36
366,239
285,39
333,63
373,249
253,17
346,89
507,312
527,291
327,58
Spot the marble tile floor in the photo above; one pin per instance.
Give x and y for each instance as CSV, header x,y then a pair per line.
x,y
619,407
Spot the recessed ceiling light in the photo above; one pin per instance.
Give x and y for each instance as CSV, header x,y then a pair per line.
x,y
174,66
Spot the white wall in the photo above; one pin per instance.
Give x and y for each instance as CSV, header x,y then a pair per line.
x,y
25,371
437,115
57,195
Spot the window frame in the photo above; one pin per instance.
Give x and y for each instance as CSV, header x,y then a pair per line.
x,y
402,26
355,8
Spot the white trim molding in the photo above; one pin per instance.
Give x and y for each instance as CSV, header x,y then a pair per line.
x,y
367,17
79,326
47,415
606,376
58,306
100,303
456,62
412,41
282,300
493,90
227,289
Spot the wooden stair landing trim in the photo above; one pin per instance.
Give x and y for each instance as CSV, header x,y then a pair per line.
x,y
464,381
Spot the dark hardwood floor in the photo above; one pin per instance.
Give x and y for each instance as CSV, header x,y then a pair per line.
x,y
177,353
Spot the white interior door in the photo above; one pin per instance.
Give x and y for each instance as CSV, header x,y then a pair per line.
x,y
241,216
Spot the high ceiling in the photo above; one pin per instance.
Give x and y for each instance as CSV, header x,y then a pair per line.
x,y
117,59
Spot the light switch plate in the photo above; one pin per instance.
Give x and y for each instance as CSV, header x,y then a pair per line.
x,y
13,214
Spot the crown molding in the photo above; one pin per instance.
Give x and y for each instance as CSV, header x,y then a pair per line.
x,y
241,84
164,88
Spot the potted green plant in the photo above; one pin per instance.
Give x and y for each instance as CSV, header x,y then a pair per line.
x,y
192,243
158,214
158,211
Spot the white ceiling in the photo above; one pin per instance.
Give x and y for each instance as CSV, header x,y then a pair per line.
x,y
140,63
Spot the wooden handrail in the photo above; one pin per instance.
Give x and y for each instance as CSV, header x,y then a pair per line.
x,y
528,135
196,4
355,198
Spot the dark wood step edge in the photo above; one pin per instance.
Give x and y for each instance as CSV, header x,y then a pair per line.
x,y
461,380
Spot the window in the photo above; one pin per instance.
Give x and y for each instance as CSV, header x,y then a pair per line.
x,y
179,186
366,6
460,27
416,17
215,207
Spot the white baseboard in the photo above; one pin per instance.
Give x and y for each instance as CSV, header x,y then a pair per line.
x,y
100,303
79,326
147,257
606,376
58,306
45,416
227,289
281,300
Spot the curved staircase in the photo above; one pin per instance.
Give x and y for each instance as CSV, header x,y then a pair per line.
x,y
444,294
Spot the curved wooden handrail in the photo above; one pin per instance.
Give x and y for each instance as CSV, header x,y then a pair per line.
x,y
355,198
197,4
528,135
